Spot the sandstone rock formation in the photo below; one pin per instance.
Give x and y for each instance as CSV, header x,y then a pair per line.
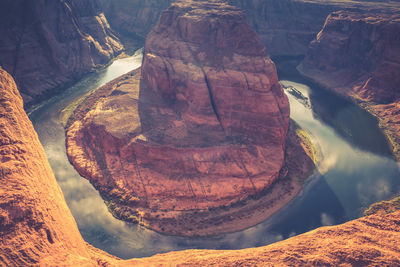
x,y
36,227
135,18
286,27
45,44
358,56
205,129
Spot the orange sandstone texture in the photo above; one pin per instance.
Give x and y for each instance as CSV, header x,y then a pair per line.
x,y
36,227
205,128
358,56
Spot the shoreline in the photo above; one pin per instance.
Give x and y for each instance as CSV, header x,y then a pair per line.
x,y
390,133
237,216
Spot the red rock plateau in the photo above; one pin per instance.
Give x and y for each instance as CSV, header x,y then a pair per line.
x,y
187,146
36,227
358,56
46,44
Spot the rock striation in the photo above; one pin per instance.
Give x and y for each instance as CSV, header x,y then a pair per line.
x,y
358,56
203,129
46,44
134,18
36,227
286,27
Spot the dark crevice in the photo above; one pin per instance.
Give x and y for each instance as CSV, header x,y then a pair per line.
x,y
49,236
210,93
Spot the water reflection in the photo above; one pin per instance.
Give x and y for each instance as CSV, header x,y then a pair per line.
x,y
357,176
350,178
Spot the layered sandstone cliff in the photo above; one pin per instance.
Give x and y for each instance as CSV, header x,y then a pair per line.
x,y
358,56
46,44
286,27
36,227
204,129
135,18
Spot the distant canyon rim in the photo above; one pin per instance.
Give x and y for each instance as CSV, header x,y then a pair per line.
x,y
36,225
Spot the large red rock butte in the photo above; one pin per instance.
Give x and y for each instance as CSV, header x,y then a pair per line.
x,y
36,227
46,44
358,56
206,127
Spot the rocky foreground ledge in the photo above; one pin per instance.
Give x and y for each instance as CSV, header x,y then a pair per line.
x,y
194,143
358,56
36,227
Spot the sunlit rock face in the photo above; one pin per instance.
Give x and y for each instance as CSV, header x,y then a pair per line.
x,y
358,55
36,227
204,127
45,44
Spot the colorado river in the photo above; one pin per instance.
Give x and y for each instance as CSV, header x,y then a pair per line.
x,y
356,170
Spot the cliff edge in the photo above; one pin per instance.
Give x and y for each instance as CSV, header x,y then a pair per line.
x,y
47,44
358,56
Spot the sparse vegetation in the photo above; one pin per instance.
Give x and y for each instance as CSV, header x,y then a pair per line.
x,y
384,207
69,110
305,137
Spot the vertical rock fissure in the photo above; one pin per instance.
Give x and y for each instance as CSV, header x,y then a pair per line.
x,y
211,95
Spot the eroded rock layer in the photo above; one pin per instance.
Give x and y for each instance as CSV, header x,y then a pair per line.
x,y
286,27
36,227
135,18
45,44
205,128
358,56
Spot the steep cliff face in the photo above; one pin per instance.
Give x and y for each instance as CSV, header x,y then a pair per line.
x,y
134,17
358,56
204,129
286,27
36,227
45,44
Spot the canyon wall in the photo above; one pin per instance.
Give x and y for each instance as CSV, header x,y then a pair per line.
x,y
36,227
46,44
358,56
286,27
135,18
